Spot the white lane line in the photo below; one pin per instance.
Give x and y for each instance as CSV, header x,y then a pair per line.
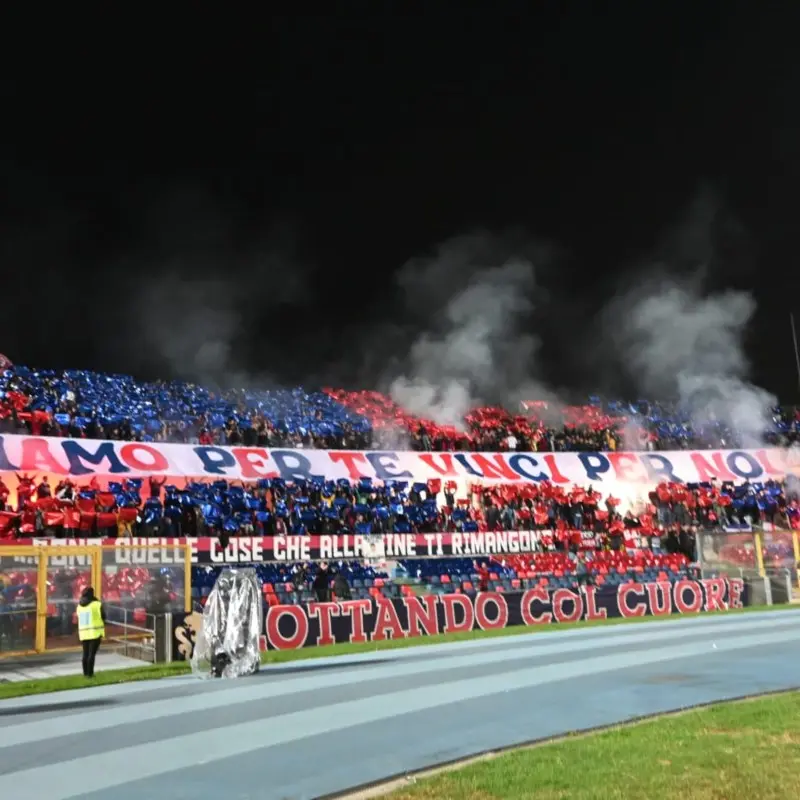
x,y
104,770
93,719
590,636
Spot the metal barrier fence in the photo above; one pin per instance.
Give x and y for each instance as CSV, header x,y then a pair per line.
x,y
750,553
40,587
131,632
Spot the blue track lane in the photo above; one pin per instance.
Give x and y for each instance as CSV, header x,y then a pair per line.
x,y
329,725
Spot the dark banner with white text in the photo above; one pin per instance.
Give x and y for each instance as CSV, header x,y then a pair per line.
x,y
291,627
260,549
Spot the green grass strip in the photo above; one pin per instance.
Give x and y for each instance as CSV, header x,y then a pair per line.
x,y
730,751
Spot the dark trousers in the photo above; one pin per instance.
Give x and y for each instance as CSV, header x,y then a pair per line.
x,y
90,648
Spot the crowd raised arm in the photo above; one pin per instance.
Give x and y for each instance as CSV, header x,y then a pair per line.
x,y
91,405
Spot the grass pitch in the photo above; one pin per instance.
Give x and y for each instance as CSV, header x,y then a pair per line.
x,y
733,751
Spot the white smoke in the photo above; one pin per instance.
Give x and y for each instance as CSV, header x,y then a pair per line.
x,y
392,438
192,324
473,347
633,435
203,311
679,342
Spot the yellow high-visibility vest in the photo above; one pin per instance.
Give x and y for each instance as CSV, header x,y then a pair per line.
x,y
90,621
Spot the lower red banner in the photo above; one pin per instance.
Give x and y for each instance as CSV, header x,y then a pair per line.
x,y
291,627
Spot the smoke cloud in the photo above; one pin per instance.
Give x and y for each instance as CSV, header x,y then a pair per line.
x,y
473,302
192,325
211,313
679,341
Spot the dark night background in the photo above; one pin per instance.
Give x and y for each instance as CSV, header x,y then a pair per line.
x,y
289,168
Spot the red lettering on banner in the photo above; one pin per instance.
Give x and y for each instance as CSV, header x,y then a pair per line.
x,y
356,609
501,618
324,612
450,601
129,454
640,609
627,467
387,622
763,457
494,471
659,596
555,472
252,462
592,611
36,457
349,460
417,616
680,602
735,591
706,471
560,598
274,635
543,596
447,471
715,594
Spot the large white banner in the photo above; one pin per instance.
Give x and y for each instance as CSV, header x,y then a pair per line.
x,y
79,458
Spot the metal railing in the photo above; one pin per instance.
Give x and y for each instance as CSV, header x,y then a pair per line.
x,y
50,614
15,636
135,638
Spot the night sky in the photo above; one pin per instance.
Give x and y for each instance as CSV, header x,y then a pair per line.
x,y
268,177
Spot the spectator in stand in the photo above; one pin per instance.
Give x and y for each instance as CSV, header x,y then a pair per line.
x,y
155,485
300,576
341,588
274,507
85,404
321,584
687,540
483,576
61,596
25,490
158,595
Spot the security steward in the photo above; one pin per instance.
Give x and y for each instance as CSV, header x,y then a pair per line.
x,y
91,628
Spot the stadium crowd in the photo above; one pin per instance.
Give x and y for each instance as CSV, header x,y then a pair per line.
x,y
83,404
273,506
582,536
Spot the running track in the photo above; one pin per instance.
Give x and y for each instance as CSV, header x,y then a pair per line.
x,y
322,727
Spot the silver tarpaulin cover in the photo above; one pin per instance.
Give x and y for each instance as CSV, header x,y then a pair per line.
x,y
227,643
